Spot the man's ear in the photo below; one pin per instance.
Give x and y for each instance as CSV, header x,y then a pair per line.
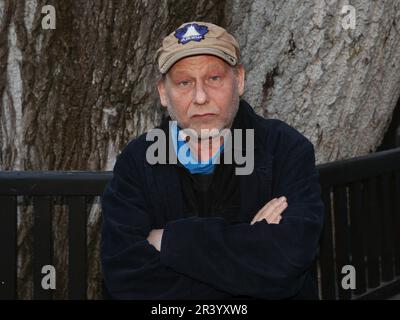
x,y
162,92
240,77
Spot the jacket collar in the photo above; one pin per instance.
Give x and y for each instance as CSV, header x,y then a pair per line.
x,y
255,187
245,118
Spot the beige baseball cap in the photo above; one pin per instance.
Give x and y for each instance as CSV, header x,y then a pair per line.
x,y
193,38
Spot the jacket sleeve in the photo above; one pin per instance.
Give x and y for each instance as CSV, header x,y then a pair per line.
x,y
131,265
261,260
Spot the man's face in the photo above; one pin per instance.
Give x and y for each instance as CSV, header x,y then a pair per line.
x,y
202,92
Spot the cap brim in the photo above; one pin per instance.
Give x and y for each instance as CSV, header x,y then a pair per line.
x,y
196,51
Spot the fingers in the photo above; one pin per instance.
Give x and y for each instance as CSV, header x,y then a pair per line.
x,y
272,211
277,220
264,210
155,237
276,213
268,209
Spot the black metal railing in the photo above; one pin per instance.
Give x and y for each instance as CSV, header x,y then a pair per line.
x,y
43,186
362,226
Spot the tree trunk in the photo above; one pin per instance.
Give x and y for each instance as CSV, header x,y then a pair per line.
x,y
72,97
338,87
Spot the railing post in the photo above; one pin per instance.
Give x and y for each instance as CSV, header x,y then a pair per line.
x,y
8,247
326,258
77,252
42,245
397,138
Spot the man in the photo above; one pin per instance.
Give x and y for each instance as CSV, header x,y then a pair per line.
x,y
199,230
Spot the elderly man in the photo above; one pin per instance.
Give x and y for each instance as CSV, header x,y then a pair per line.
x,y
197,229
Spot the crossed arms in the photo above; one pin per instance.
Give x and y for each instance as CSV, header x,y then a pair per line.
x,y
207,257
271,212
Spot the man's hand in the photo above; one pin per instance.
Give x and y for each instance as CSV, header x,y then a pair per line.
x,y
154,238
271,211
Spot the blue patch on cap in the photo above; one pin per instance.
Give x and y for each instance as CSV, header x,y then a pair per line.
x,y
191,32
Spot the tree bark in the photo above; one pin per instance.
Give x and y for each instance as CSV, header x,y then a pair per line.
x,y
338,87
71,98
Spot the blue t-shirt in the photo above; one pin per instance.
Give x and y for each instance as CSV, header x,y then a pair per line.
x,y
185,156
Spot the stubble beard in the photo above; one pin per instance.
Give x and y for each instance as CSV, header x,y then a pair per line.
x,y
212,133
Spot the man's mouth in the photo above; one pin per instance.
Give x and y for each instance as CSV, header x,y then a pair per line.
x,y
204,115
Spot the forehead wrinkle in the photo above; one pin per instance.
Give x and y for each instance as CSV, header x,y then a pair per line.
x,y
193,65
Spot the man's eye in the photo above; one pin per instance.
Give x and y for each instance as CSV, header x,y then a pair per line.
x,y
215,78
183,83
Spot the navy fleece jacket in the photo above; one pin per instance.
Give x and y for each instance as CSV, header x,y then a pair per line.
x,y
209,258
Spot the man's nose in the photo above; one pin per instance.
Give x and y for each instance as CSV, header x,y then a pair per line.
x,y
200,94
